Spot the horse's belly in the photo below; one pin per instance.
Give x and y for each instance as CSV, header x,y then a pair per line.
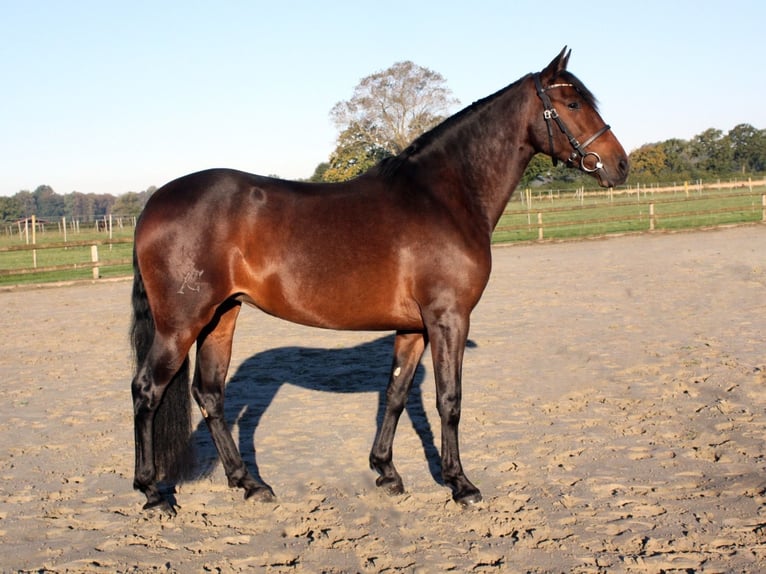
x,y
343,303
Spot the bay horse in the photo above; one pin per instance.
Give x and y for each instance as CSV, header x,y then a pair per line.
x,y
404,247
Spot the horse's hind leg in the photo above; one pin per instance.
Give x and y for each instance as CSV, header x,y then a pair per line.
x,y
164,365
408,349
213,355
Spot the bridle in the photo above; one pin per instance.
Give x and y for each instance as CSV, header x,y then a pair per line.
x,y
550,113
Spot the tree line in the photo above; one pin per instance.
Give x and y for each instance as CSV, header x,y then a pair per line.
x,y
390,108
710,155
45,203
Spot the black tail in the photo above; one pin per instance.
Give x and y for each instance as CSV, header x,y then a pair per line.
x,y
172,422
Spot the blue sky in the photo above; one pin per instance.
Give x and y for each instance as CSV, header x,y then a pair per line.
x,y
108,97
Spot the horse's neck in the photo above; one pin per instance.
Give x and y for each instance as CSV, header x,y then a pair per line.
x,y
484,156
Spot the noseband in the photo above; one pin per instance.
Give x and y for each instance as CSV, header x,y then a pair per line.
x,y
579,148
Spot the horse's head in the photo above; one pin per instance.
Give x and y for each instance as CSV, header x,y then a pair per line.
x,y
568,127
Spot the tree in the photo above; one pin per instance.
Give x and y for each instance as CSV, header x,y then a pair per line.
x,y
387,110
354,154
713,151
677,157
102,204
10,209
319,171
80,205
539,169
26,203
48,203
648,162
748,148
129,204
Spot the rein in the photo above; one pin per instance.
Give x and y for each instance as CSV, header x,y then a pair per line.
x,y
550,113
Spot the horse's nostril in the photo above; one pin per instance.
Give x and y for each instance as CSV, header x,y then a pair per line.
x,y
624,165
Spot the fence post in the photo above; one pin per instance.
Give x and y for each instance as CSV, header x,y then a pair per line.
x,y
651,217
763,203
94,259
34,241
539,226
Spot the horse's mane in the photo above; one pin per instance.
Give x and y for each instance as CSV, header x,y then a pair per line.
x,y
389,166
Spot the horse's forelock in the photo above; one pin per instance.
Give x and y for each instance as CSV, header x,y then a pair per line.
x,y
581,88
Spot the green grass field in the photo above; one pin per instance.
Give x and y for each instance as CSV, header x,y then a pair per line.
x,y
567,217
563,216
73,254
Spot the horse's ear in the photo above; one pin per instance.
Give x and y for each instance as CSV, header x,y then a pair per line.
x,y
557,65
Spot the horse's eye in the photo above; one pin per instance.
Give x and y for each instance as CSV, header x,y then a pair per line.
x,y
574,106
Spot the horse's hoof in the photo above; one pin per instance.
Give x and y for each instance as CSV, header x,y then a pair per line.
x,y
261,494
162,505
391,486
468,498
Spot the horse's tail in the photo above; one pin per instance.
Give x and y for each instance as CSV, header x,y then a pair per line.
x,y
173,456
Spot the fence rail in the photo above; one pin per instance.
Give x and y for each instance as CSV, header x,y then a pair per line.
x,y
95,263
65,244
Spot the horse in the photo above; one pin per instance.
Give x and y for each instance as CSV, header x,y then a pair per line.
x,y
404,247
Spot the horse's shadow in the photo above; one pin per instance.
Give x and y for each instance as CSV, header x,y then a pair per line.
x,y
359,369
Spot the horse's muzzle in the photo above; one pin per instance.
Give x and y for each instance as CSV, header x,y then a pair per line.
x,y
609,174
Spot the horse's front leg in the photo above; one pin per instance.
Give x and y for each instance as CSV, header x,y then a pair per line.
x,y
213,356
408,349
448,332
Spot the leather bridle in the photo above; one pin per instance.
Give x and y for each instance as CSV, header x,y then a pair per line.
x,y
549,113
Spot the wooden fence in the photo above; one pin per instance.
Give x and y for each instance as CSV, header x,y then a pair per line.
x,y
95,263
27,227
687,188
642,215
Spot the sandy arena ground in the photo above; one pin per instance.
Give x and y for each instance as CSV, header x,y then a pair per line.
x,y
614,418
